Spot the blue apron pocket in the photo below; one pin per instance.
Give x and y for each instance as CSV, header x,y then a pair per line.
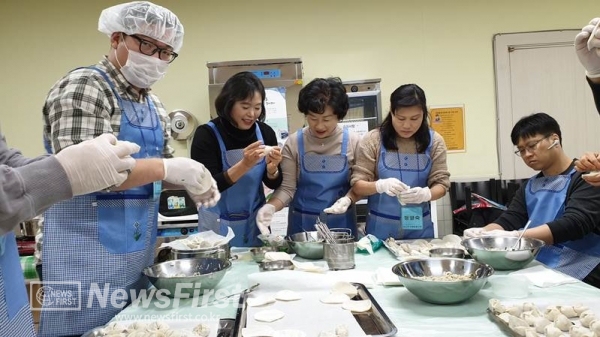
x,y
11,273
122,222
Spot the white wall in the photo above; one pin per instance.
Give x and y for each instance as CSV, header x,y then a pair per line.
x,y
444,46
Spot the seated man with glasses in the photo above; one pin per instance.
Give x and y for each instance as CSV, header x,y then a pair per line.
x,y
563,209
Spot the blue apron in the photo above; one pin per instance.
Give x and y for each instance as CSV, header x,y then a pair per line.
x,y
103,241
323,179
240,202
384,219
545,199
15,316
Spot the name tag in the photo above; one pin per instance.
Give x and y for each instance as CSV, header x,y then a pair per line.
x,y
412,218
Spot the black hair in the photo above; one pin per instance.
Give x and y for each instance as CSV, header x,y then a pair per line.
x,y
407,95
323,92
534,124
239,87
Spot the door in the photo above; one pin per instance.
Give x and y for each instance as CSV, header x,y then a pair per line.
x,y
540,72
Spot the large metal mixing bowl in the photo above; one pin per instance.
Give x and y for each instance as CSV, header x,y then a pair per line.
x,y
438,292
498,253
308,245
200,273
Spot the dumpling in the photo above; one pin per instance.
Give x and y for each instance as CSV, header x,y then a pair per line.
x,y
552,331
179,333
514,322
531,333
562,322
515,310
568,311
157,326
528,306
540,323
520,330
496,306
505,316
138,333
528,317
595,327
137,326
202,330
551,313
587,319
579,308
579,331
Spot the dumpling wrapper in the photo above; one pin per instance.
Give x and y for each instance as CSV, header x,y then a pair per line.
x,y
579,331
277,256
309,267
562,322
289,333
335,298
552,331
259,301
357,306
452,238
269,316
345,288
258,331
287,295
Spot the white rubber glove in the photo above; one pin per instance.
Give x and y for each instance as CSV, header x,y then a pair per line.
x,y
208,198
98,163
500,233
340,206
264,218
188,173
474,232
390,186
588,49
415,195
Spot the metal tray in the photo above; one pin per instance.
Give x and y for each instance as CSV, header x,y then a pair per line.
x,y
405,257
374,322
225,329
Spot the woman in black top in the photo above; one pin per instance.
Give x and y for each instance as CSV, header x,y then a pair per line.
x,y
241,153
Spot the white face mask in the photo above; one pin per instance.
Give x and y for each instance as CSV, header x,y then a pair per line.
x,y
142,70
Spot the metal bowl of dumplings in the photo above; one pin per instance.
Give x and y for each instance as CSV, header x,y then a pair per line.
x,y
498,251
185,278
308,245
276,241
443,280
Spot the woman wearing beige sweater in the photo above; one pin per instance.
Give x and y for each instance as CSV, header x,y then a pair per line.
x,y
401,166
317,163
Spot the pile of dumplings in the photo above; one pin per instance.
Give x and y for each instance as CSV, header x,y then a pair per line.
x,y
555,321
420,248
153,329
195,242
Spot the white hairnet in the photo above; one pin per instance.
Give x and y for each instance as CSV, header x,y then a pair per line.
x,y
144,18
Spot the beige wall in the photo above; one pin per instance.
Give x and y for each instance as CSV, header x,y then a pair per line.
x,y
444,46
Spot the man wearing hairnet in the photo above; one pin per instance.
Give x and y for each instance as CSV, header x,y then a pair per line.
x,y
102,241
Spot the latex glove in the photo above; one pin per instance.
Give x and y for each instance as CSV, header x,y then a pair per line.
x,y
339,207
390,186
264,218
190,174
208,198
500,233
98,163
415,195
474,232
588,50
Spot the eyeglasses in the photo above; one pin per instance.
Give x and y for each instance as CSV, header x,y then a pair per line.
x,y
531,147
149,48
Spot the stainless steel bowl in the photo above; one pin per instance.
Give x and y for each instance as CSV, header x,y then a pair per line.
x,y
442,292
276,265
447,252
200,274
308,245
219,252
258,254
498,253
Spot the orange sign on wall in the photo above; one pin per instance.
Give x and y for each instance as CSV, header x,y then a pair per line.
x,y
449,121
